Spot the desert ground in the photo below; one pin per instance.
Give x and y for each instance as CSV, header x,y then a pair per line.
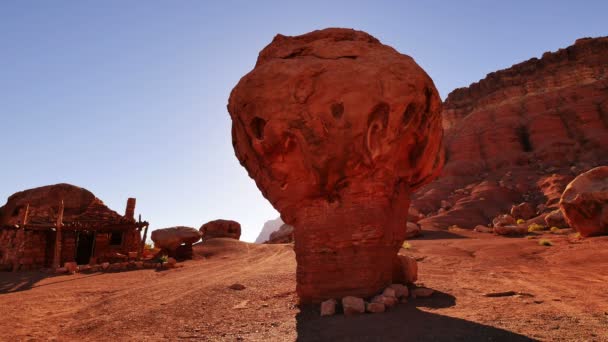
x,y
488,288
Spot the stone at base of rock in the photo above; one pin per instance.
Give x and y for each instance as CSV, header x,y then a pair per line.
x,y
375,307
328,307
353,305
72,267
400,290
405,269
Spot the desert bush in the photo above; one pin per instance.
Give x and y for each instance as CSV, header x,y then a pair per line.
x,y
148,246
520,221
163,258
555,230
545,242
406,245
534,227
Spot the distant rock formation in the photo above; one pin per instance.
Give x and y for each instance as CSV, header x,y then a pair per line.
x,y
337,129
283,235
221,229
268,228
520,135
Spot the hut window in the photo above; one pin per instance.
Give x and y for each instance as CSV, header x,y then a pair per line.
x,y
116,239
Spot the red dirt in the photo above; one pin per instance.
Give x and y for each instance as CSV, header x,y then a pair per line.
x,y
561,296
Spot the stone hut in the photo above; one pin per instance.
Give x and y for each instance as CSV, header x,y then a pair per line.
x,y
51,225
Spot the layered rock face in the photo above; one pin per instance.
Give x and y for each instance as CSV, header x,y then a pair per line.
x,y
221,229
521,134
269,228
585,202
337,130
283,235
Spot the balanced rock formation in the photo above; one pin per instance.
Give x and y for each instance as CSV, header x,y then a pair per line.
x,y
520,135
585,202
221,229
283,235
176,241
337,130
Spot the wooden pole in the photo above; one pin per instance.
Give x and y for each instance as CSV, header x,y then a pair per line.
x,y
143,241
25,215
58,226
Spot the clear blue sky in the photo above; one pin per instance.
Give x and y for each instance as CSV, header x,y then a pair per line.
x,y
128,98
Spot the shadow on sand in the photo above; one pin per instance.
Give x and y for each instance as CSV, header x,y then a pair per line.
x,y
405,322
23,281
438,235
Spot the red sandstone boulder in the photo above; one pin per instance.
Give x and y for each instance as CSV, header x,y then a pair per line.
x,y
556,219
585,202
523,210
337,129
518,230
405,269
171,240
221,229
412,230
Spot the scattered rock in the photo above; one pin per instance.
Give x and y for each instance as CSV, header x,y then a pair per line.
x,y
171,262
483,229
353,305
422,292
105,265
388,301
328,307
503,220
556,219
221,229
523,210
237,287
412,230
389,292
584,203
61,270
400,290
375,307
501,294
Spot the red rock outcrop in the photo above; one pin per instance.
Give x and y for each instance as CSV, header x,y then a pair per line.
x,y
521,134
337,129
221,229
585,202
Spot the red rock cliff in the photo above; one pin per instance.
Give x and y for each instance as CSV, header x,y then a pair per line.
x,y
521,134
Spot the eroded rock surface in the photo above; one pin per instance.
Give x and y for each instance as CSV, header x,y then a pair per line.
x,y
585,202
337,130
283,235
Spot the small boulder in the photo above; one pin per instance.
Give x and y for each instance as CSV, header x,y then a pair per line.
x,y
387,301
221,229
405,269
353,305
61,270
389,292
328,307
375,307
422,292
105,265
523,210
412,230
556,219
237,287
503,220
400,290
483,229
171,262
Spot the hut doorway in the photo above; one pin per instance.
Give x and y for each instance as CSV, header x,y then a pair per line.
x,y
84,247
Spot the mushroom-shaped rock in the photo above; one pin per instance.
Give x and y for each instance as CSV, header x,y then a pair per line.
x,y
171,240
337,130
221,229
584,203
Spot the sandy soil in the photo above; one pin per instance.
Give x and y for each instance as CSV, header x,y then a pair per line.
x,y
561,294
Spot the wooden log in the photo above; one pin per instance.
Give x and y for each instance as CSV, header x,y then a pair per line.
x,y
58,226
